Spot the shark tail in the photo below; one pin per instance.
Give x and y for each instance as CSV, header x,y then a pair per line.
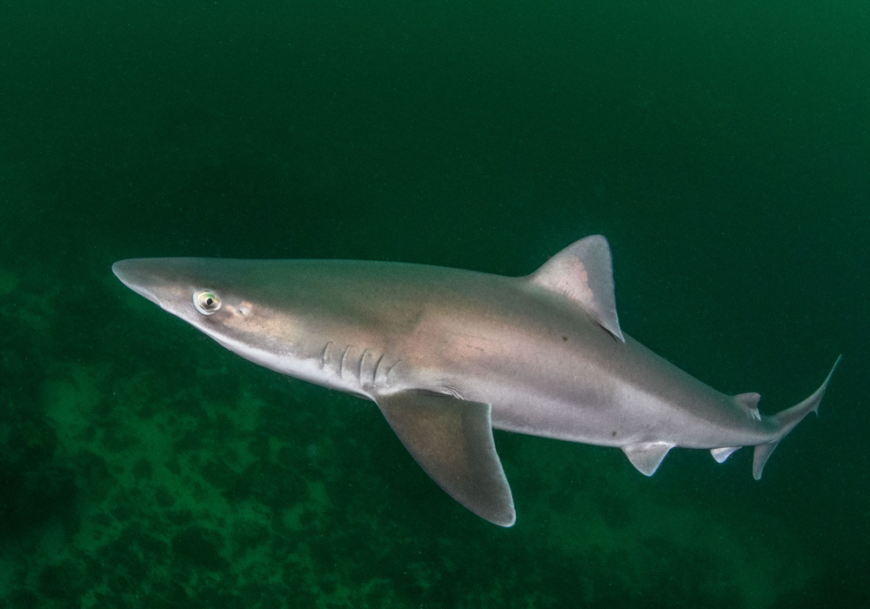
x,y
788,420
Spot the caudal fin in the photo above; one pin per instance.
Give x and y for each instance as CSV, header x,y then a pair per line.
x,y
787,420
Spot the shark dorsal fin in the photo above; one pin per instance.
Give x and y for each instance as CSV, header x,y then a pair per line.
x,y
583,273
749,403
748,400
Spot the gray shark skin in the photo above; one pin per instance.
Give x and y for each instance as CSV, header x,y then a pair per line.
x,y
449,354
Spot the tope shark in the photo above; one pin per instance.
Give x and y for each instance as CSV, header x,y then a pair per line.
x,y
447,355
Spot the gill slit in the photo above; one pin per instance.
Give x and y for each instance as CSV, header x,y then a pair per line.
x,y
341,364
375,373
387,376
324,354
359,369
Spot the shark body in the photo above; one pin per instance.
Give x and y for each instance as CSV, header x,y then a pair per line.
x,y
449,354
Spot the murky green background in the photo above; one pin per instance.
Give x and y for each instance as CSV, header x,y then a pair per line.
x,y
722,147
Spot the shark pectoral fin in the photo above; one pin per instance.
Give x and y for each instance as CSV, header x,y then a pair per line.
x,y
583,273
452,441
647,456
721,454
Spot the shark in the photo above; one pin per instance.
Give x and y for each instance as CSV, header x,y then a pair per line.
x,y
447,355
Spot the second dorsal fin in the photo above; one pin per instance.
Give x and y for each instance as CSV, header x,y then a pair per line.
x,y
749,403
748,400
583,273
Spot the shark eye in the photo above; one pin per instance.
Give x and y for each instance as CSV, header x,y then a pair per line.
x,y
206,302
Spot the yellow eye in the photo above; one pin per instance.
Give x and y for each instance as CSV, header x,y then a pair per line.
x,y
206,302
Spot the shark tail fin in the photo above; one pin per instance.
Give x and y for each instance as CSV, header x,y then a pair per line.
x,y
788,420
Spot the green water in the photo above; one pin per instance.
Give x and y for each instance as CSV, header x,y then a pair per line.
x,y
722,147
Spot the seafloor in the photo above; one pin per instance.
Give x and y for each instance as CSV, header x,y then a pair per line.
x,y
147,466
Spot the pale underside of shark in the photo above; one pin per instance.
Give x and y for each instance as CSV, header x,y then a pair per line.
x,y
449,354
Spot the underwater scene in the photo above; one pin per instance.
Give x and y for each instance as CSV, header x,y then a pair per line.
x,y
723,149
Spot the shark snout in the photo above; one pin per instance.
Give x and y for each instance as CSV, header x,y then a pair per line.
x,y
138,275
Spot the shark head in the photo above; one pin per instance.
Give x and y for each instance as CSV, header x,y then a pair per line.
x,y
226,300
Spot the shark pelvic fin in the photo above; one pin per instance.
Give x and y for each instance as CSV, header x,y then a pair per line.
x,y
647,456
583,273
452,441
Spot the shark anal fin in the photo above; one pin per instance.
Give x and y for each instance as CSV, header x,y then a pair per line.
x,y
647,456
583,273
721,454
452,441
